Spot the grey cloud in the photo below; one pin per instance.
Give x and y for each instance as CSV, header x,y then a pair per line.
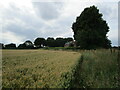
x,y
54,31
21,24
48,11
114,42
28,33
11,12
109,10
104,9
15,13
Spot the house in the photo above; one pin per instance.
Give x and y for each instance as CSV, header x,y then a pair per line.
x,y
70,44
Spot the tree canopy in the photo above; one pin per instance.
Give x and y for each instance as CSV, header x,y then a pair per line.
x,y
10,46
50,42
26,45
1,46
90,29
39,42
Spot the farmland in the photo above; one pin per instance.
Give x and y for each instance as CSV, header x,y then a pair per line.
x,y
38,68
60,69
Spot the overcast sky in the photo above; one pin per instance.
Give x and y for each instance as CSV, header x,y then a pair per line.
x,y
22,20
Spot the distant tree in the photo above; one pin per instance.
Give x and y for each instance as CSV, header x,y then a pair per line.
x,y
10,46
1,46
39,42
60,42
26,45
29,44
50,42
90,29
68,39
22,46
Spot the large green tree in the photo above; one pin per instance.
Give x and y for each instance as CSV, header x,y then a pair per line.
x,y
90,29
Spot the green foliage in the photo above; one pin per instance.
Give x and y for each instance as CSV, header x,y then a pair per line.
x,y
90,29
22,46
50,42
10,46
61,48
99,69
1,46
26,45
39,42
58,42
68,39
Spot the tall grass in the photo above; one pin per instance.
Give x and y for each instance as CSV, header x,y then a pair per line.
x,y
99,69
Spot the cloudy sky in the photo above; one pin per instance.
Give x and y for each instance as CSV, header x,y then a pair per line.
x,y
22,20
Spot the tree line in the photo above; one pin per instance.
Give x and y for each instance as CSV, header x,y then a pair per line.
x,y
38,43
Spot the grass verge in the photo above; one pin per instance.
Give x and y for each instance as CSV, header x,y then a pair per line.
x,y
99,69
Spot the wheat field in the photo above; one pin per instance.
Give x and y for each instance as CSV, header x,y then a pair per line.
x,y
37,68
